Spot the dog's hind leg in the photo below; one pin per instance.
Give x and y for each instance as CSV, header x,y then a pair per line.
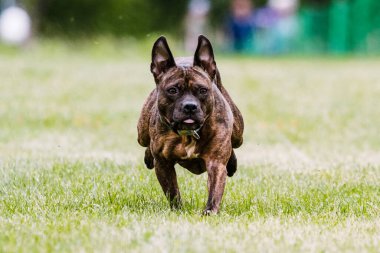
x,y
148,159
232,165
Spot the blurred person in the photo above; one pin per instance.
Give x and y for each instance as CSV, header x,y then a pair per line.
x,y
195,22
278,26
286,27
241,25
15,24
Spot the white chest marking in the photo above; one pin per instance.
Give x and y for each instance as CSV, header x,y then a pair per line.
x,y
190,150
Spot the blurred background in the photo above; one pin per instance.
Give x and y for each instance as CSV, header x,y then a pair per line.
x,y
74,73
263,27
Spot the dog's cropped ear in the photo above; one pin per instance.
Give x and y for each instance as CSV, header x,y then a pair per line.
x,y
162,58
204,56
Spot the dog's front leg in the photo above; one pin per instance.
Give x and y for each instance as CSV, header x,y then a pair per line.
x,y
167,177
217,174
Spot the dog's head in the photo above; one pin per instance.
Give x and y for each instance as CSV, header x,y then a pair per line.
x,y
184,88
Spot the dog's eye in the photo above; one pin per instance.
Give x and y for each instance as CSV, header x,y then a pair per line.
x,y
202,91
172,91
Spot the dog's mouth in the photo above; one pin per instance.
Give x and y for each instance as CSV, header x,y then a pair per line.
x,y
189,121
187,124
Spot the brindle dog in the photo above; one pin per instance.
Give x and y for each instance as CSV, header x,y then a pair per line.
x,y
189,119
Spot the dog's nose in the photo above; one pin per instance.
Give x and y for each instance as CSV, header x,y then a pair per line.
x,y
190,107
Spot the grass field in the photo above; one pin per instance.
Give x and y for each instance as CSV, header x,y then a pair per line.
x,y
72,177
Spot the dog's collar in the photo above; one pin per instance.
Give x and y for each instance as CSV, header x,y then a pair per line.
x,y
192,133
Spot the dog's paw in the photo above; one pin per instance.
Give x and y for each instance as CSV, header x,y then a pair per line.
x,y
209,212
232,165
149,163
148,159
176,204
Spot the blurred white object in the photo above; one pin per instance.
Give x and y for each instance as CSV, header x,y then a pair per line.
x,y
15,25
284,6
196,22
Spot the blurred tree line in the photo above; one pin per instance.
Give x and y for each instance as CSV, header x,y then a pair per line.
x,y
121,17
116,17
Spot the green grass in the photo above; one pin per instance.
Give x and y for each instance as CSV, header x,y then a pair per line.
x,y
72,177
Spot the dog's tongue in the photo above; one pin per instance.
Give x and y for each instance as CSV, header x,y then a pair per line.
x,y
189,121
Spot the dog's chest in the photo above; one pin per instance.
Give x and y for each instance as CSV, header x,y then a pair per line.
x,y
179,147
189,149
